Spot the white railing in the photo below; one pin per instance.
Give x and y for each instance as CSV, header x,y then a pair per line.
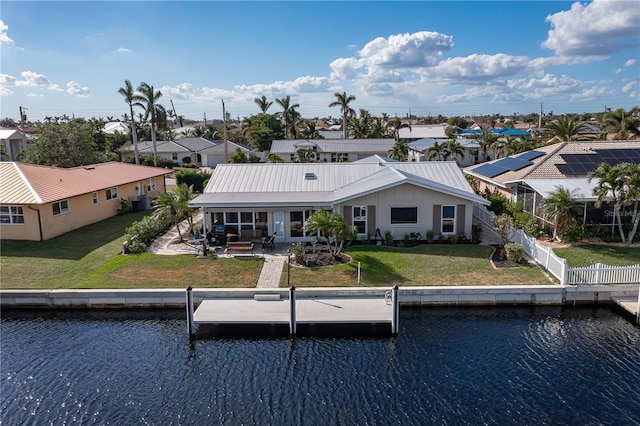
x,y
557,266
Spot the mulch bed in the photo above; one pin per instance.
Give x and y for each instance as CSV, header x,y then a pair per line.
x,y
314,260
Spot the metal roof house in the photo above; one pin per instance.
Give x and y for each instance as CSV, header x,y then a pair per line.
x,y
331,150
387,196
419,150
531,176
41,202
13,143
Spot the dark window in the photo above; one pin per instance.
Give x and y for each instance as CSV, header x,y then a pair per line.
x,y
403,215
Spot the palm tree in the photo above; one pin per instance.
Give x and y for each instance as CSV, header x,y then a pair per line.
x,y
488,142
562,207
399,151
623,124
342,101
263,103
305,155
333,228
167,206
288,114
396,124
453,150
309,130
566,128
184,194
379,129
274,158
361,126
148,100
621,186
130,97
436,152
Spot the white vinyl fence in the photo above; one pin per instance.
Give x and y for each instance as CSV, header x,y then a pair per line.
x,y
557,266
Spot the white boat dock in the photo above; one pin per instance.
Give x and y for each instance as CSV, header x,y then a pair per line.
x,y
272,309
630,305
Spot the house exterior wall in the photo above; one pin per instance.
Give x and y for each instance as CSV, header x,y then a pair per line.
x,y
82,212
378,206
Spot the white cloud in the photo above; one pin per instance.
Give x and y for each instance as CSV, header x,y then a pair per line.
x,y
76,89
629,86
181,91
630,63
4,38
34,79
596,28
479,68
123,50
421,49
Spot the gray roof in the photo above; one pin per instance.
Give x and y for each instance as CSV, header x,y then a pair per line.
x,y
373,146
580,188
218,147
195,144
430,131
161,146
285,184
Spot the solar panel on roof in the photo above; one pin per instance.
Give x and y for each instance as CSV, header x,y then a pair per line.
x,y
489,170
531,155
513,164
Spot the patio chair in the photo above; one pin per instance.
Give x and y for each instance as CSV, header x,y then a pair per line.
x,y
269,243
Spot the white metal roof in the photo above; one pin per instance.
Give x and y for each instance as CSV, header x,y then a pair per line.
x,y
436,131
580,188
325,183
372,146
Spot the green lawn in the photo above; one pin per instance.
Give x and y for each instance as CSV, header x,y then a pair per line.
x,y
590,254
90,258
424,265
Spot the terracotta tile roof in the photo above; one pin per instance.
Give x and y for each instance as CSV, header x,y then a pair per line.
x,y
32,184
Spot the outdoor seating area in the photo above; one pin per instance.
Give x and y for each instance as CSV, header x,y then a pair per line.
x,y
239,248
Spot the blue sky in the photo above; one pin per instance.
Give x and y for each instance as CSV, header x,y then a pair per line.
x,y
419,57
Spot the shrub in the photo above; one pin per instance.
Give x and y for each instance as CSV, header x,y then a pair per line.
x,y
429,235
388,238
528,223
186,160
298,252
136,246
572,234
476,234
498,203
194,178
514,251
147,228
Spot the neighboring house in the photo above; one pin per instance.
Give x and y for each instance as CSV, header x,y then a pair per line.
x,y
113,127
386,196
167,150
531,176
419,150
215,154
499,131
13,143
414,133
331,134
195,146
331,150
41,202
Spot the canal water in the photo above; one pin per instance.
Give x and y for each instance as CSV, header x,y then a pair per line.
x,y
574,366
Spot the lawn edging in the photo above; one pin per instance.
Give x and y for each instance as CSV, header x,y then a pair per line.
x,y
408,296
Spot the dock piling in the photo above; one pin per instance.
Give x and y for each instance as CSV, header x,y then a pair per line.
x,y
190,323
638,309
292,310
395,315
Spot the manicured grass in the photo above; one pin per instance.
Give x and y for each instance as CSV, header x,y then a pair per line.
x,y
589,254
425,265
90,258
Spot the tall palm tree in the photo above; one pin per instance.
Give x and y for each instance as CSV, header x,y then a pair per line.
x,y
562,207
566,128
130,98
361,126
147,98
436,152
263,103
399,151
379,129
619,185
168,206
309,130
453,150
623,123
288,114
342,101
395,125
488,143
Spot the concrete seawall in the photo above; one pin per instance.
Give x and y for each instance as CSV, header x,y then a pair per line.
x,y
408,296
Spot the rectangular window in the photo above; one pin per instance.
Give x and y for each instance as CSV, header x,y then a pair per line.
x,y
261,222
151,184
60,207
404,215
339,157
11,215
360,219
217,217
174,156
448,219
95,198
296,223
112,193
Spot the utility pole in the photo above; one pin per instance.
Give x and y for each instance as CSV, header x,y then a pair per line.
x,y
23,118
205,119
540,117
224,134
175,113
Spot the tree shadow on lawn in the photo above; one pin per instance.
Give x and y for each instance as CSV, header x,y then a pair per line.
x,y
384,274
75,244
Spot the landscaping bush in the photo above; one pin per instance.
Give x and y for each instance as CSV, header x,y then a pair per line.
x,y
298,252
498,203
476,234
195,178
146,229
429,235
528,223
136,246
388,238
514,252
572,234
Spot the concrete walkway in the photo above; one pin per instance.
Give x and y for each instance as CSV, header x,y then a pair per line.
x,y
271,271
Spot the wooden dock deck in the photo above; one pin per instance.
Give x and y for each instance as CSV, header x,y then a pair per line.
x,y
316,310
